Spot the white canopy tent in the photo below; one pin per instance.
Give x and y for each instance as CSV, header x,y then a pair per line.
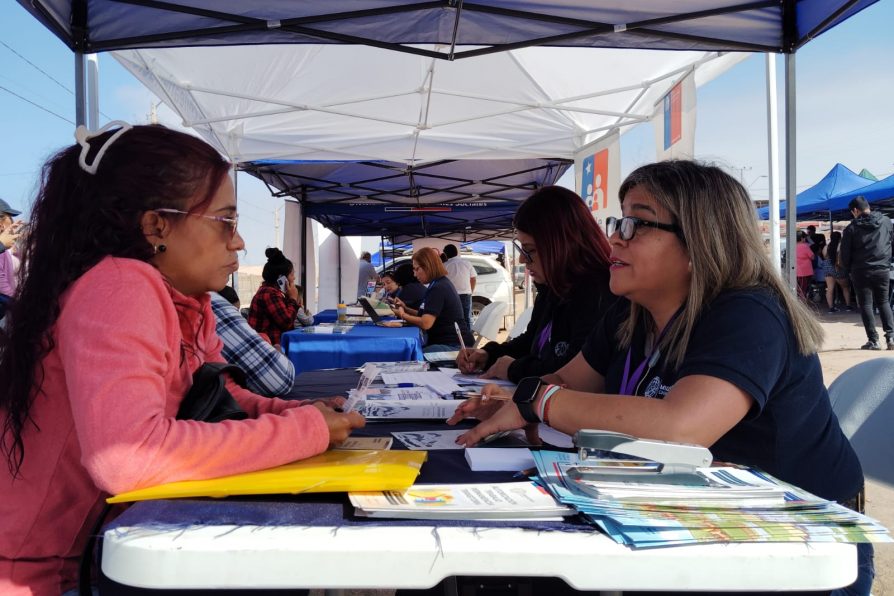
x,y
338,103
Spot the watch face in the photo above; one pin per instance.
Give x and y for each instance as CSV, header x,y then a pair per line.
x,y
526,391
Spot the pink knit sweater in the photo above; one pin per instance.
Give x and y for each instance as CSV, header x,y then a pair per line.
x,y
126,345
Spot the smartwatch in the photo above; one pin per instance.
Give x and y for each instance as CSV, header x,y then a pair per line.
x,y
524,397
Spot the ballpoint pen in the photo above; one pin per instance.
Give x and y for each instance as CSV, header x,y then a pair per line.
x,y
462,343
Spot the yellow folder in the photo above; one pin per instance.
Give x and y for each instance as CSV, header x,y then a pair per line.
x,y
333,471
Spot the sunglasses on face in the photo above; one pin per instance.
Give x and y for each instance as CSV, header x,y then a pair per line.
x,y
231,222
626,227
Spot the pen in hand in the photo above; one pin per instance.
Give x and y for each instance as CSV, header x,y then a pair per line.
x,y
459,335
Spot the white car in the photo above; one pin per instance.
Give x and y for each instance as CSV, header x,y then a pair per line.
x,y
493,283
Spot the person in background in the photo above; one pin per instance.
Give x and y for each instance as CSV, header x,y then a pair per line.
x,y
462,275
411,291
9,234
834,275
708,346
567,256
867,245
303,318
803,263
274,306
389,286
440,311
267,370
365,273
131,228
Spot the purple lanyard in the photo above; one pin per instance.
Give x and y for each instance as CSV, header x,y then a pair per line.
x,y
628,382
545,335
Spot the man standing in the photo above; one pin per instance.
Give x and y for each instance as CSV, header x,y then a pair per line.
x,y
366,273
462,275
866,248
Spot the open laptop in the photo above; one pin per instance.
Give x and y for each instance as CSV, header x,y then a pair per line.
x,y
367,307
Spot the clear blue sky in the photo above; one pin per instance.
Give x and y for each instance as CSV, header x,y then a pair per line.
x,y
845,94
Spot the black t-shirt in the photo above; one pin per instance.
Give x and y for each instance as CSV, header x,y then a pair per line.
x,y
442,301
411,294
745,337
558,327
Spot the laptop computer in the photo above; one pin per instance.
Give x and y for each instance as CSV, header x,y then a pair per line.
x,y
367,307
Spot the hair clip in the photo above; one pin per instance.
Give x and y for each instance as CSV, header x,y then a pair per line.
x,y
82,136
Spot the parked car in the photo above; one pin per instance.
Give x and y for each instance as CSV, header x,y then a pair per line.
x,y
493,283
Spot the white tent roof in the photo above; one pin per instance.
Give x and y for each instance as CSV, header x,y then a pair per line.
x,y
331,102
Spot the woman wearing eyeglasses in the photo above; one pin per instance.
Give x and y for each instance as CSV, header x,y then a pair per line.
x,y
276,304
131,229
717,351
566,255
440,313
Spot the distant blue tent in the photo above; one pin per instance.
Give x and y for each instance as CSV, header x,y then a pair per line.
x,y
816,201
879,194
487,247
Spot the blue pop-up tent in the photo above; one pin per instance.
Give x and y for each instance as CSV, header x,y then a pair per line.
x,y
879,194
816,201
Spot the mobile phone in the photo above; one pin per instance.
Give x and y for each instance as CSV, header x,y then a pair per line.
x,y
282,281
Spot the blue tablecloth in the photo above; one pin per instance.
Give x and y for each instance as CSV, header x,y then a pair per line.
x,y
363,343
326,316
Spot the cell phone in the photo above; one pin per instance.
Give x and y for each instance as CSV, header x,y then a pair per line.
x,y
282,281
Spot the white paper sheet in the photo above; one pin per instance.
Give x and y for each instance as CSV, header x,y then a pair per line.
x,y
430,440
499,459
435,380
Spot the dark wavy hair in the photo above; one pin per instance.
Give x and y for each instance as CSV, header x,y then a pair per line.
x,y
78,219
277,264
569,241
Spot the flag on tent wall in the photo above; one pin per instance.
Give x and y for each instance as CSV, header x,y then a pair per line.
x,y
597,169
674,121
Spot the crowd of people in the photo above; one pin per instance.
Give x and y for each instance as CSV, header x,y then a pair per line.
x,y
637,329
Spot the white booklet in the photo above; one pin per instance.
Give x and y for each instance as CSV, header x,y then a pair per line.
x,y
511,500
381,409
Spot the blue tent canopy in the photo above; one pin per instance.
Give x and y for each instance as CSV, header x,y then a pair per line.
x,y
492,247
459,200
816,201
491,25
879,194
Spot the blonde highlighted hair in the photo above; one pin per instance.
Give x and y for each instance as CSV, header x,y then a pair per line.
x,y
724,246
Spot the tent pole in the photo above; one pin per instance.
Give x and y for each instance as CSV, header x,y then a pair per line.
x,y
791,204
80,64
773,155
303,245
338,249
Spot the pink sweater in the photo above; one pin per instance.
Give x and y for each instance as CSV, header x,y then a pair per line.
x,y
105,420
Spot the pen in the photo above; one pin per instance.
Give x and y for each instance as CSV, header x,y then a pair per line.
x,y
462,344
527,473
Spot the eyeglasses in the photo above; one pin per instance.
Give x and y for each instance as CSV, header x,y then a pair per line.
x,y
528,256
627,227
231,222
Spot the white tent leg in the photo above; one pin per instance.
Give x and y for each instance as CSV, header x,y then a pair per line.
x,y
773,154
791,189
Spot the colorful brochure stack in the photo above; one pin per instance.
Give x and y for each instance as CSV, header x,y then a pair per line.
x,y
724,504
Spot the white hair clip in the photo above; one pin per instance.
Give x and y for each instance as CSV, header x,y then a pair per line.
x,y
83,136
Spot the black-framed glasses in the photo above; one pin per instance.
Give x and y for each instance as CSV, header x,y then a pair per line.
x,y
231,222
528,256
626,227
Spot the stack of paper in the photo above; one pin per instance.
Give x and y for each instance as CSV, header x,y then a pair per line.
x,y
437,381
509,501
732,504
398,367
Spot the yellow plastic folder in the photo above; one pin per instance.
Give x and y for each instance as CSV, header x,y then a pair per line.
x,y
330,472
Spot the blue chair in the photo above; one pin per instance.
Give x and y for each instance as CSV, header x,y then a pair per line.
x,y
863,399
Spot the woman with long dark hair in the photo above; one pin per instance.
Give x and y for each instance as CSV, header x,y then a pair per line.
x,y
131,229
834,275
566,255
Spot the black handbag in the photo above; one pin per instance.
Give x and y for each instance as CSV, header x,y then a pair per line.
x,y
206,401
